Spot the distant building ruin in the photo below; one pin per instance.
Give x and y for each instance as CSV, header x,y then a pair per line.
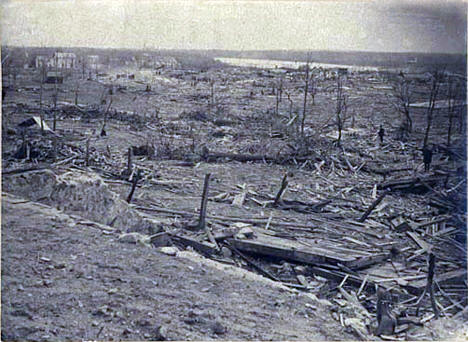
x,y
92,61
41,61
63,60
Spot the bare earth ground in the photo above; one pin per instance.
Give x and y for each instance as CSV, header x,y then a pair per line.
x,y
65,280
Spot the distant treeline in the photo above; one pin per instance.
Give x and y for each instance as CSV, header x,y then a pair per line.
x,y
205,58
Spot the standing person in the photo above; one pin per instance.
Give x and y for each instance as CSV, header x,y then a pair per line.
x,y
427,158
381,134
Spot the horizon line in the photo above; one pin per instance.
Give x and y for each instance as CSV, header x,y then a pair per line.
x,y
230,50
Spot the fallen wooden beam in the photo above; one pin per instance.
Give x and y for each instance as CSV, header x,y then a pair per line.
x,y
251,263
386,171
297,251
202,247
421,243
372,206
411,184
280,159
284,185
451,277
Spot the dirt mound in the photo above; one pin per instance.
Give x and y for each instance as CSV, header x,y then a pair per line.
x,y
34,185
79,193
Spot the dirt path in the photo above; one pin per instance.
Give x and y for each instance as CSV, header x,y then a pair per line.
x,y
62,279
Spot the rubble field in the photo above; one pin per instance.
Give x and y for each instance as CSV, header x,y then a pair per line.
x,y
186,204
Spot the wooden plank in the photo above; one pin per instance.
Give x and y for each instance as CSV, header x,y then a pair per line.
x,y
295,251
417,287
430,222
202,247
338,276
421,243
367,261
285,253
445,231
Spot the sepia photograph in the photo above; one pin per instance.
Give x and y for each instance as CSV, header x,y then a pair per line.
x,y
195,170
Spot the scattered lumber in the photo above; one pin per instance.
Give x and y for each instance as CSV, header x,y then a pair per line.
x,y
23,170
280,159
385,172
416,184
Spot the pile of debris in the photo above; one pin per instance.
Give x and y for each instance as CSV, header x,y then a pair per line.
x,y
379,284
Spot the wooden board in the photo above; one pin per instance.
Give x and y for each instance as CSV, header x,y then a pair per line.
x,y
314,252
457,276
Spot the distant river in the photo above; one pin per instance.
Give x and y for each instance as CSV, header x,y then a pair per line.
x,y
272,64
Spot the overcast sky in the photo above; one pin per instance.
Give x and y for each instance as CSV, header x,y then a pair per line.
x,y
381,25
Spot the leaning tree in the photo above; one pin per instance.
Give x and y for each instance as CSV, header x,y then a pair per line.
x,y
434,87
402,96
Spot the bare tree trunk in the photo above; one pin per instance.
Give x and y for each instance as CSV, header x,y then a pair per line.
x,y
409,121
306,88
76,93
212,101
435,84
340,105
281,90
454,94
403,93
129,160
40,109
290,105
277,102
55,94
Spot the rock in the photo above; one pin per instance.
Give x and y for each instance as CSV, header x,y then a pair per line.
x,y
218,328
159,334
226,252
112,291
302,280
172,251
135,238
143,323
23,313
126,332
300,270
102,311
245,233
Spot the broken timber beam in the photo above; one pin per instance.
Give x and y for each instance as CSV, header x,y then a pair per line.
x,y
215,156
135,180
408,184
250,262
451,277
287,249
284,185
202,217
203,247
372,206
